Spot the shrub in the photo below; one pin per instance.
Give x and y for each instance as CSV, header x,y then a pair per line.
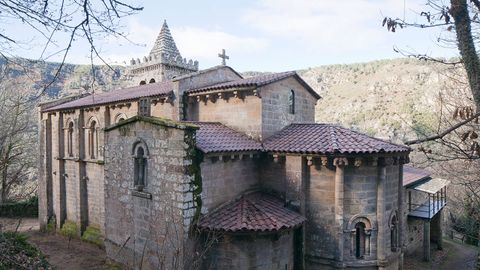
x,y
27,208
93,235
17,253
69,229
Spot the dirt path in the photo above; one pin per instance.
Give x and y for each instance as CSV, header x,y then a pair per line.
x,y
23,224
454,256
60,254
461,257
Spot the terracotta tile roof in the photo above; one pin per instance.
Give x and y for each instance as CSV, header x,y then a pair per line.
x,y
125,94
256,81
215,137
327,139
412,175
255,212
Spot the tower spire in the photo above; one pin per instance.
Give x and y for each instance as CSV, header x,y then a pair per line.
x,y
165,43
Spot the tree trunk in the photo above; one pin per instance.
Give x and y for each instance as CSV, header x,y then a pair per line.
x,y
471,62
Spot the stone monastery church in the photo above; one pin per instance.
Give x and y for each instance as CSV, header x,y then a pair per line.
x,y
206,169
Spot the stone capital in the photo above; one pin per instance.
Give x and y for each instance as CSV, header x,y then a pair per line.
x,y
340,162
324,161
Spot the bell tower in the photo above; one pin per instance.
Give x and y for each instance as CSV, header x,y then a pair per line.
x,y
164,62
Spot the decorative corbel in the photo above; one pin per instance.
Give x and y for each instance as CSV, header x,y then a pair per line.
x,y
199,99
275,158
256,93
324,161
309,161
358,162
340,161
389,161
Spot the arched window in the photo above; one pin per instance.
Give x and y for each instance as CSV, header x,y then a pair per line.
x,y
291,102
361,231
70,139
394,233
152,80
120,117
93,140
143,82
360,237
140,168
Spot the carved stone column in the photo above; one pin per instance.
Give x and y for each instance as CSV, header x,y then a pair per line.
x,y
340,164
381,179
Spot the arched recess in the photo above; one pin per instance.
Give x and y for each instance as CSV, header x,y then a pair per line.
x,y
394,231
360,236
119,117
139,142
143,82
92,130
152,80
140,164
69,128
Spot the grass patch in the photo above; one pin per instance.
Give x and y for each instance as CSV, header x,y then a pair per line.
x,y
17,253
93,235
69,229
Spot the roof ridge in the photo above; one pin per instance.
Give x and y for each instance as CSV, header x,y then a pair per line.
x,y
333,137
264,212
375,138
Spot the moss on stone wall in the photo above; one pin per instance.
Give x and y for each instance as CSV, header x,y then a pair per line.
x,y
93,235
194,171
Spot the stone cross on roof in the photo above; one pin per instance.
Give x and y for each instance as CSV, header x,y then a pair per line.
x,y
165,43
224,57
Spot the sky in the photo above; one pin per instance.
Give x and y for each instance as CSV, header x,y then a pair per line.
x,y
258,35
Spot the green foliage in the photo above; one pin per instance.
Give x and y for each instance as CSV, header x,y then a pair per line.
x,y
17,253
194,170
113,266
93,235
20,209
69,229
51,226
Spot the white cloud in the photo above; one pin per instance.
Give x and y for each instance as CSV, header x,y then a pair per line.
x,y
193,42
340,25
202,44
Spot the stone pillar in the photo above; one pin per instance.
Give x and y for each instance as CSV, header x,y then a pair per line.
x,y
45,170
60,175
82,203
400,212
437,233
381,232
340,164
440,231
426,240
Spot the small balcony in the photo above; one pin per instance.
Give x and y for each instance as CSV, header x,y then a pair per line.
x,y
427,198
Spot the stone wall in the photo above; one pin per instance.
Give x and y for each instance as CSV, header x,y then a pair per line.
x,y
206,77
360,203
253,252
244,115
320,212
413,239
275,106
223,180
155,221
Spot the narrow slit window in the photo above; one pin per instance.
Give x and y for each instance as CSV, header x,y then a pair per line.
x,y
140,170
291,102
70,139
